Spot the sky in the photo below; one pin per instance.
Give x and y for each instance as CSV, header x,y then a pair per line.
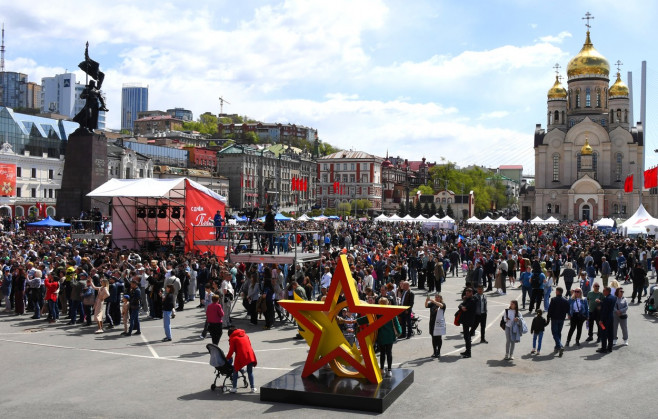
x,y
464,81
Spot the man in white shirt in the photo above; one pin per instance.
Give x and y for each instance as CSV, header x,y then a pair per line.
x,y
326,278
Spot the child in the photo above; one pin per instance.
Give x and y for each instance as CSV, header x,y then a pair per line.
x,y
537,330
125,312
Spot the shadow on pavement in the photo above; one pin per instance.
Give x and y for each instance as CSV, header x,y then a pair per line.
x,y
500,363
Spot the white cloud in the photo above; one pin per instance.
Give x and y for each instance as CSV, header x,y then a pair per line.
x,y
494,115
551,39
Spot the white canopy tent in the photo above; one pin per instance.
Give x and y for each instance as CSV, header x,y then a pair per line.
x,y
500,220
514,220
433,218
486,220
304,217
473,220
381,217
639,222
537,220
408,219
552,220
605,222
447,219
420,219
394,218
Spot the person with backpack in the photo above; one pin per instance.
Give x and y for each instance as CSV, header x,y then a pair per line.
x,y
537,284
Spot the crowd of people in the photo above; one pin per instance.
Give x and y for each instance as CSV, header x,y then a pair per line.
x,y
573,273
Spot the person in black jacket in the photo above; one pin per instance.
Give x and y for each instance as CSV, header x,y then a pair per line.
x,y
467,319
406,299
269,226
167,308
606,319
557,312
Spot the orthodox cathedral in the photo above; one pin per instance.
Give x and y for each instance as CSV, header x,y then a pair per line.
x,y
588,148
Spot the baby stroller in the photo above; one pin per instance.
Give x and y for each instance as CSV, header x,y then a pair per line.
x,y
651,304
415,319
223,367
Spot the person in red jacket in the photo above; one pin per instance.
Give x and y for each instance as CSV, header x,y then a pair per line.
x,y
52,291
240,345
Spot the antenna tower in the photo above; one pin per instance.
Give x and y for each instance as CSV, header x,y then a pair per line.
x,y
2,50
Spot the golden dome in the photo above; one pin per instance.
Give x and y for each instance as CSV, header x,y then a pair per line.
x,y
588,62
587,149
619,88
557,91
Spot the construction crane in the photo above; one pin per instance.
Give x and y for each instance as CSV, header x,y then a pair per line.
x,y
221,105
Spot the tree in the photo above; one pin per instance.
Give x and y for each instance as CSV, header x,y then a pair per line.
x,y
343,208
361,205
417,209
426,208
326,149
441,214
402,211
205,124
432,209
424,190
449,212
251,138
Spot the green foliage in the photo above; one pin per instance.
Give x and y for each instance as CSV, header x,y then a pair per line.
x,y
344,208
424,190
417,209
426,209
449,212
440,211
361,205
432,209
326,149
250,138
205,124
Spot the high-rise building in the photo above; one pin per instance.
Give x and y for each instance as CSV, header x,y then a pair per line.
x,y
33,95
58,94
134,99
13,90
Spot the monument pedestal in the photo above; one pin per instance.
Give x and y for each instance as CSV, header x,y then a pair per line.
x,y
326,389
85,169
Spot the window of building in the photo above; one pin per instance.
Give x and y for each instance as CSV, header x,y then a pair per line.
x,y
626,115
345,178
34,173
353,166
364,178
557,117
598,98
557,209
326,167
623,209
20,211
141,173
324,177
569,103
556,167
577,98
618,167
549,207
595,159
588,98
19,172
572,123
344,166
50,193
19,192
352,178
51,174
603,122
34,193
449,200
605,94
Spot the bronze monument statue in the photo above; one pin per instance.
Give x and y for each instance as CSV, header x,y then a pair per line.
x,y
94,102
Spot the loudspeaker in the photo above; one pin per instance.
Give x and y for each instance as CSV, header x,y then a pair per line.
x,y
141,212
152,212
162,211
175,212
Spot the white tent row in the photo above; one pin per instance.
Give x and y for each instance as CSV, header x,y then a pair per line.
x,y
498,221
419,219
549,220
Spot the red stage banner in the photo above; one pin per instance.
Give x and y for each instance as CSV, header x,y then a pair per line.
x,y
199,211
7,179
651,178
628,184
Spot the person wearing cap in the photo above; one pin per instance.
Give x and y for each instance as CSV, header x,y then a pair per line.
x,y
240,346
135,298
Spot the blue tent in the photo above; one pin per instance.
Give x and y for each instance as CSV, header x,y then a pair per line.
x,y
281,217
48,222
240,219
333,217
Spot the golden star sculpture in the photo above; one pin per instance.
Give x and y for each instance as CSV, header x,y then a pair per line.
x,y
328,345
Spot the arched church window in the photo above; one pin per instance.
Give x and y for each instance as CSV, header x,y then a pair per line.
x,y
618,166
588,97
549,207
626,115
577,98
615,209
557,117
598,97
550,118
569,102
618,115
605,94
556,167
612,116
557,209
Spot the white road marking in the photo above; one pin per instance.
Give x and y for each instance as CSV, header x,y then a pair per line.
x,y
148,345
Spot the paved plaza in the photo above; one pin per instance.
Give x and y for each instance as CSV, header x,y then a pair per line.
x,y
68,371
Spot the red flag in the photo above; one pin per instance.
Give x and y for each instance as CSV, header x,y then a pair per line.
x,y
583,223
651,178
242,180
628,184
293,183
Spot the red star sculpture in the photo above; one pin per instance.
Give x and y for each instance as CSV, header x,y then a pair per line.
x,y
322,332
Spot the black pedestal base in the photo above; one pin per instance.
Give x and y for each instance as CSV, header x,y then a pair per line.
x,y
325,389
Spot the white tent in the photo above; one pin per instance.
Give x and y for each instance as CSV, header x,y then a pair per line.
x,y
447,219
605,222
514,220
434,218
381,217
304,217
394,218
500,220
473,220
640,220
486,220
552,220
151,212
537,220
320,218
408,218
420,218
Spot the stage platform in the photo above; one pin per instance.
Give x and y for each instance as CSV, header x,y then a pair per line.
x,y
287,258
